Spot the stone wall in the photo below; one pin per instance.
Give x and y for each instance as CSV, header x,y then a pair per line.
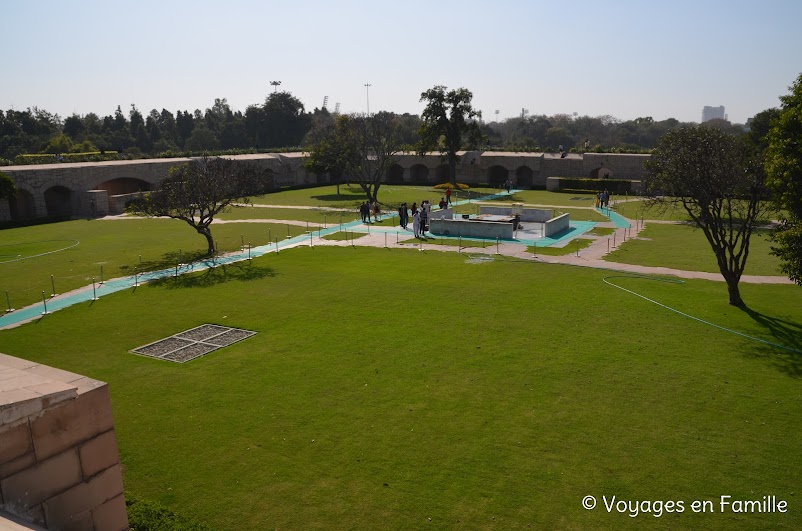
x,y
59,465
471,228
65,183
558,224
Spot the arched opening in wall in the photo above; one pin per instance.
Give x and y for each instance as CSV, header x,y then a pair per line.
x,y
124,185
395,175
419,174
497,175
524,177
58,201
22,206
441,174
601,173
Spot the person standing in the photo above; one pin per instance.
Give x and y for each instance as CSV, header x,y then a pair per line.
x,y
376,212
363,211
424,217
448,195
416,223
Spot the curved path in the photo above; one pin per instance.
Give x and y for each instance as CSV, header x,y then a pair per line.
x,y
376,236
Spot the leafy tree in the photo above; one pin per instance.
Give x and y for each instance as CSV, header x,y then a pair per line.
x,y
760,126
202,139
185,123
119,122
60,143
197,191
447,119
358,147
280,122
715,179
74,127
784,168
7,188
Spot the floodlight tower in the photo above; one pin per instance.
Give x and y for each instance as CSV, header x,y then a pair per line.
x,y
325,101
367,95
275,85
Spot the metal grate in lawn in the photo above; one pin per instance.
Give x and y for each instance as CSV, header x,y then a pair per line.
x,y
193,343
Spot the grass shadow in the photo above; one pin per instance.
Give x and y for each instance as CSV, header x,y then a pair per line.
x,y
356,198
783,332
241,271
167,261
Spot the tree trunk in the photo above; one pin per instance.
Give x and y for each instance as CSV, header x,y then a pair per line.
x,y
735,293
209,240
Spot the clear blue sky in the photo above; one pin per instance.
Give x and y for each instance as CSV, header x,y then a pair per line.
x,y
625,58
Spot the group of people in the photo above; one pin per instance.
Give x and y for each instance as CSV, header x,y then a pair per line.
x,y
420,214
420,217
603,199
365,210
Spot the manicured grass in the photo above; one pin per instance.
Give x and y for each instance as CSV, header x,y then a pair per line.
x,y
114,244
684,247
391,196
299,214
350,197
339,236
640,209
406,390
571,248
543,197
601,231
449,242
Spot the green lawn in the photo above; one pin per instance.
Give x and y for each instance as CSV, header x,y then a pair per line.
x,y
393,389
299,214
391,196
114,244
684,247
576,245
350,196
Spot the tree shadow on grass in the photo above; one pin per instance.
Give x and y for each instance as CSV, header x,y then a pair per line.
x,y
168,260
783,332
241,271
344,198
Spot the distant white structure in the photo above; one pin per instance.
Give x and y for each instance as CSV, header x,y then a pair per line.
x,y
712,113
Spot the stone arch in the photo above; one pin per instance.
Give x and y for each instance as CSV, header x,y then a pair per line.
x,y
58,201
395,174
601,173
123,185
524,177
497,174
419,174
22,205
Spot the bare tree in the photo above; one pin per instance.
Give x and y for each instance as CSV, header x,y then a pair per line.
x,y
713,177
197,191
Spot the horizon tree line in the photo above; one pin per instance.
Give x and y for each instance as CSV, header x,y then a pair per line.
x,y
282,122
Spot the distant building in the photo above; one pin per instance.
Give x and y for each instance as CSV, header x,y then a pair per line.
x,y
712,113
